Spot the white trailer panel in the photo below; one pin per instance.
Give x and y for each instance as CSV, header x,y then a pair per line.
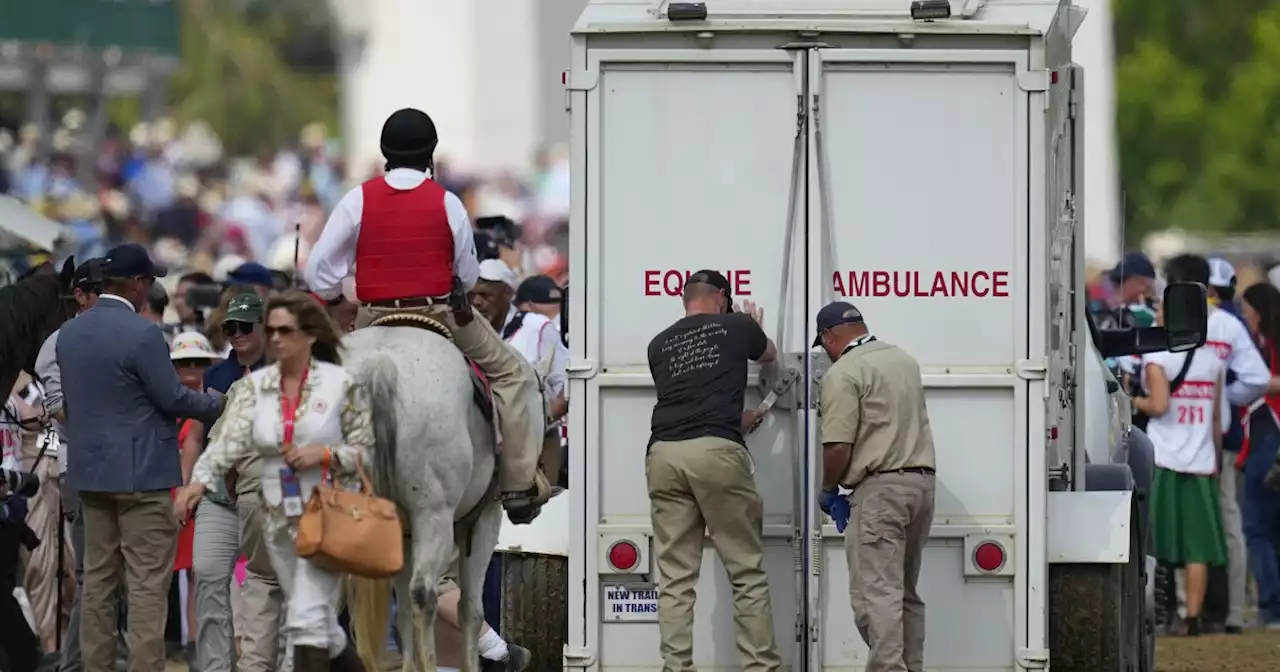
x,y
928,190
919,186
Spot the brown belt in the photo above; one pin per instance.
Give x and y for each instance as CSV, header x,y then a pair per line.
x,y
908,470
419,302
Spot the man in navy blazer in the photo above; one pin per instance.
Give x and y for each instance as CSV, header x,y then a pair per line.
x,y
122,401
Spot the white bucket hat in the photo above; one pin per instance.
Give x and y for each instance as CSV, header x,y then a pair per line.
x,y
192,345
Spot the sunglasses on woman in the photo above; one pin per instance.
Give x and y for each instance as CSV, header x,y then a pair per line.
x,y
285,330
232,327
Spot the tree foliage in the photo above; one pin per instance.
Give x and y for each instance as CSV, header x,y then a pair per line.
x,y
256,70
1198,114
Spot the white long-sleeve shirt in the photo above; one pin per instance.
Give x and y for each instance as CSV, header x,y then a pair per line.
x,y
333,257
51,375
1228,336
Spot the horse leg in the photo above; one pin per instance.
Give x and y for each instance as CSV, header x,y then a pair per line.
x,y
405,616
471,574
432,541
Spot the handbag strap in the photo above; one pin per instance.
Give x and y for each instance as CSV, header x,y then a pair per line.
x,y
366,485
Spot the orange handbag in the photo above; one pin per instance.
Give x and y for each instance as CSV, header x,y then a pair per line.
x,y
353,532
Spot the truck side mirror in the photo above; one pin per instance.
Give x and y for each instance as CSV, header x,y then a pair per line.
x,y
1186,316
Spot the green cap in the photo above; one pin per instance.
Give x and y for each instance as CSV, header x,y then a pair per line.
x,y
245,307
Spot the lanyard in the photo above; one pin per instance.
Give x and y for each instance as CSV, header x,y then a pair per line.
x,y
289,407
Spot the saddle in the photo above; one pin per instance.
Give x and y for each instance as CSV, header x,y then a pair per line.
x,y
481,391
482,396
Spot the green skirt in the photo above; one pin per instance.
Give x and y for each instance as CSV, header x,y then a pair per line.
x,y
1186,520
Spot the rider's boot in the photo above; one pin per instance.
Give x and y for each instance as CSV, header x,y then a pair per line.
x,y
521,416
550,459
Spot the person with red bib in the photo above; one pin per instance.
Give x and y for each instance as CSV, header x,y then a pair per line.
x,y
412,247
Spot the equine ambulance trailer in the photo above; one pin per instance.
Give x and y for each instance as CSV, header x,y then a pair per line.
x,y
930,173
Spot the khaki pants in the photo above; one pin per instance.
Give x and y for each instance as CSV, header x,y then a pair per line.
x,y
261,599
699,484
889,525
1237,554
515,390
129,542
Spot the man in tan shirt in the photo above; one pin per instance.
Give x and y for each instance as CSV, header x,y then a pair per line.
x,y
876,441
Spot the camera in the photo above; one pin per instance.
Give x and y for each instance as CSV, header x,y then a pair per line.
x,y
17,484
204,297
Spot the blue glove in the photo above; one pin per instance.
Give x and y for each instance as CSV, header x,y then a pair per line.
x,y
837,506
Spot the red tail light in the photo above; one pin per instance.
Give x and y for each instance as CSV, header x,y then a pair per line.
x,y
989,556
624,556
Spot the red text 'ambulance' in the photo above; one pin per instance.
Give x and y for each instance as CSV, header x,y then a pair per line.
x,y
922,284
671,282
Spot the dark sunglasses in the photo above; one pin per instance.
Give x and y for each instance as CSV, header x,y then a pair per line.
x,y
283,331
233,327
190,363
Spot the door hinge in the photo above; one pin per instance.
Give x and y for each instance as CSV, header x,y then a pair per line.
x,y
578,658
1033,659
581,80
1033,369
581,368
1034,80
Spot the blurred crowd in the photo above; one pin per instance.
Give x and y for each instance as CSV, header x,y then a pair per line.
x,y
171,188
1213,419
234,232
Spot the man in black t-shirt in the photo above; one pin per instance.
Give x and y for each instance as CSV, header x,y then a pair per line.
x,y
699,473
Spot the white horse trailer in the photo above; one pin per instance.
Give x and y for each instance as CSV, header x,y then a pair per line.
x,y
929,171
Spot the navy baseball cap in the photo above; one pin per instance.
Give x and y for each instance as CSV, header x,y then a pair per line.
x,y
835,314
715,279
89,274
251,273
1133,265
131,261
539,289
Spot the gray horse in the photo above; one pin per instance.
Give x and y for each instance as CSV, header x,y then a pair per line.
x,y
434,455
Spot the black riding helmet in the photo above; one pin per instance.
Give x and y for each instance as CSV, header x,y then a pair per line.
x,y
409,138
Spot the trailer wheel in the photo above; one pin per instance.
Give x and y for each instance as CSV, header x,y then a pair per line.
x,y
1097,613
535,607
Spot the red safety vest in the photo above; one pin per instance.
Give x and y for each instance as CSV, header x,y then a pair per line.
x,y
405,246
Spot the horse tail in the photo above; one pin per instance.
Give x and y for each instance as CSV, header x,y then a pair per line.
x,y
370,602
379,378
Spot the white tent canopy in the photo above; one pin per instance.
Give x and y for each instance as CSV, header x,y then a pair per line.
x,y
20,220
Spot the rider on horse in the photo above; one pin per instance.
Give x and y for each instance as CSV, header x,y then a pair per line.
x,y
413,250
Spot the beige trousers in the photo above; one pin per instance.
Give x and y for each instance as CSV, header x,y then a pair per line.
x,y
515,390
260,616
41,575
129,542
891,515
706,485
